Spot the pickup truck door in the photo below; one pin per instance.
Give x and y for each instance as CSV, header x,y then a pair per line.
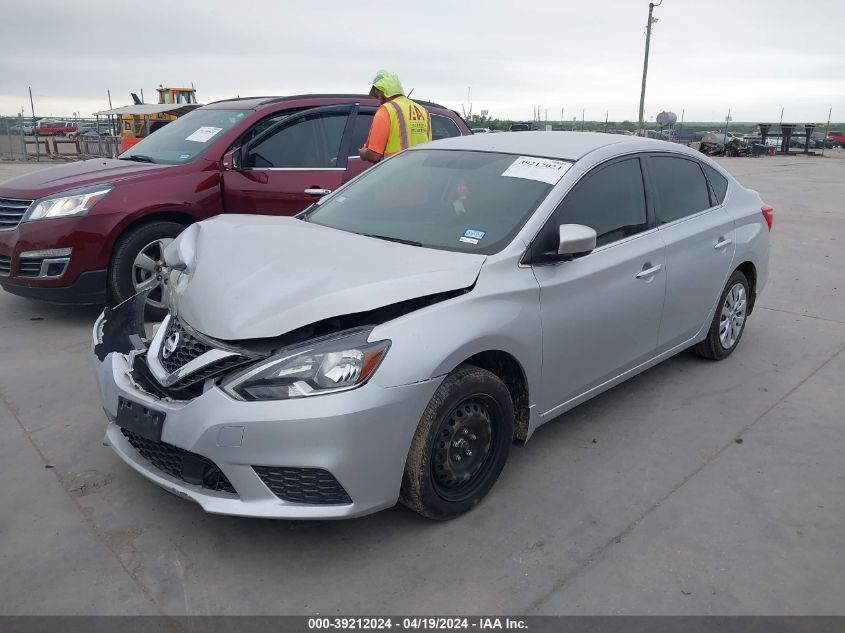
x,y
291,164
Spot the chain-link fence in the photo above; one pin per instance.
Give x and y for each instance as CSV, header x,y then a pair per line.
x,y
19,140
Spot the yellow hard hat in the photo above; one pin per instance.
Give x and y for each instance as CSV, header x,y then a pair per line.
x,y
388,83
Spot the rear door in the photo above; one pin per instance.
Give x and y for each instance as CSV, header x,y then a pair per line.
x,y
292,164
700,241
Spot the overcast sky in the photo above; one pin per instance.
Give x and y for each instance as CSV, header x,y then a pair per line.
x,y
753,56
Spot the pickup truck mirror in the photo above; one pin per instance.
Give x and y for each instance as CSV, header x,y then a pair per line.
x,y
232,160
575,240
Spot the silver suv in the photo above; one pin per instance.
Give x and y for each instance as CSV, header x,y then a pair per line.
x,y
393,340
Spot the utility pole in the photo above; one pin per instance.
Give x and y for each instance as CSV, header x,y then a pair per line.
x,y
606,114
826,129
108,92
34,124
651,20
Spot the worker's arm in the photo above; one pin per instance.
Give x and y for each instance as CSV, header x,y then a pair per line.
x,y
373,150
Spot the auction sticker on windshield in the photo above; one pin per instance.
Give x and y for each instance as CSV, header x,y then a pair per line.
x,y
203,134
542,169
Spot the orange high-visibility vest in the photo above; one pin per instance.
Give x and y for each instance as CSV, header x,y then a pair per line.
x,y
410,124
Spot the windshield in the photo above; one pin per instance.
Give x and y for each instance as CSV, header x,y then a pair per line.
x,y
185,138
444,199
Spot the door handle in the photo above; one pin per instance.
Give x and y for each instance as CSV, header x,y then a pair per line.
x,y
722,243
315,191
647,273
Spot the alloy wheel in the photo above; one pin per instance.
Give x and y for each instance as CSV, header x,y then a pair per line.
x,y
149,272
732,318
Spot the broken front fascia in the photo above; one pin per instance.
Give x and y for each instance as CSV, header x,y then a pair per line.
x,y
121,328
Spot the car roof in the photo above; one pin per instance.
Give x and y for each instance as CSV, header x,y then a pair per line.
x,y
560,145
330,98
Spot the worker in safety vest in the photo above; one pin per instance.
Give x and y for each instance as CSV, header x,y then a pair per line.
x,y
398,124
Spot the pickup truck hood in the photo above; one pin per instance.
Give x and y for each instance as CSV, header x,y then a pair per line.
x,y
257,276
44,182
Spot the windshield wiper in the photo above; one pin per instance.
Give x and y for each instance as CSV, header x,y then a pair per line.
x,y
392,239
141,158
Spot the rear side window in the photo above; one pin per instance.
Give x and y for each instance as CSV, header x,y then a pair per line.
x,y
681,188
611,201
360,132
718,182
443,127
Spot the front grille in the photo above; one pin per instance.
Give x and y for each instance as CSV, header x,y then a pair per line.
x,y
186,350
5,265
181,464
209,371
303,485
11,212
30,266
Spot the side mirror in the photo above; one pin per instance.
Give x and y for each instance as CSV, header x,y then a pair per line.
x,y
232,160
575,240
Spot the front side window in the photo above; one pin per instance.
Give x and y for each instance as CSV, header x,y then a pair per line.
x,y
311,141
610,200
444,199
185,138
681,188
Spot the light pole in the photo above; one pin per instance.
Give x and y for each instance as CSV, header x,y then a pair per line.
x,y
651,21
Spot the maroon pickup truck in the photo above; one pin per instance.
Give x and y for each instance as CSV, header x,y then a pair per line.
x,y
94,231
55,128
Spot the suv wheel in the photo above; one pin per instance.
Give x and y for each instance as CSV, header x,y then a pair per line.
x,y
460,446
137,265
729,321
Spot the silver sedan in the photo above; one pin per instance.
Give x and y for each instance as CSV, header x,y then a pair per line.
x,y
395,339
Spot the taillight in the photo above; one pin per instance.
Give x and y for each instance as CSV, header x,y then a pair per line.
x,y
769,214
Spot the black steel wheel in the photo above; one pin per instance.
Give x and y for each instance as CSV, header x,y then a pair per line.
x,y
460,446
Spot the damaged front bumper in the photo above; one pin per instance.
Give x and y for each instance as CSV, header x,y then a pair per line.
x,y
333,456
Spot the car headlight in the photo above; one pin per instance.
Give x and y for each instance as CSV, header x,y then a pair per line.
x,y
67,203
327,365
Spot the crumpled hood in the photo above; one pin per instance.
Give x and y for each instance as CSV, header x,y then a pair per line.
x,y
258,276
45,182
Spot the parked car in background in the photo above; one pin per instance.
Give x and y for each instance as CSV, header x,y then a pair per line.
x,y
27,128
390,344
820,140
480,130
837,137
94,230
91,129
55,128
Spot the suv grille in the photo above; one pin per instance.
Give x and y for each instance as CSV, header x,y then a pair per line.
x,y
5,265
187,349
303,485
177,462
11,212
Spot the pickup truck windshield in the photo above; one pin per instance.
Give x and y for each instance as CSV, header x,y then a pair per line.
x,y
183,139
444,199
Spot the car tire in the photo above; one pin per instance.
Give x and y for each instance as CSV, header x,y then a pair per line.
x,y
460,446
122,273
729,322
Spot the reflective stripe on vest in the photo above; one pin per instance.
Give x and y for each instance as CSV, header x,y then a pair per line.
x,y
410,124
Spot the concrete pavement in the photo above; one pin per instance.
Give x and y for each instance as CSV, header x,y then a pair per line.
x,y
639,501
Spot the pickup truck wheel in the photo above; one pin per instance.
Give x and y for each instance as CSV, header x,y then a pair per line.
x,y
729,321
137,265
460,446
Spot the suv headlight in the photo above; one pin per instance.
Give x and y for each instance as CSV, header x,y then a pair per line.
x,y
327,365
67,203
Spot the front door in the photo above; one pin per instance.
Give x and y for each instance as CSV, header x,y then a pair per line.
x,y
290,165
601,312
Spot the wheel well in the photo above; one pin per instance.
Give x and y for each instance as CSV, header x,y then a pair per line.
x,y
161,216
510,372
750,272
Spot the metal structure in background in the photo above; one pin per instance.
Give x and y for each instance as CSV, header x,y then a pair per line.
x,y
18,142
648,25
